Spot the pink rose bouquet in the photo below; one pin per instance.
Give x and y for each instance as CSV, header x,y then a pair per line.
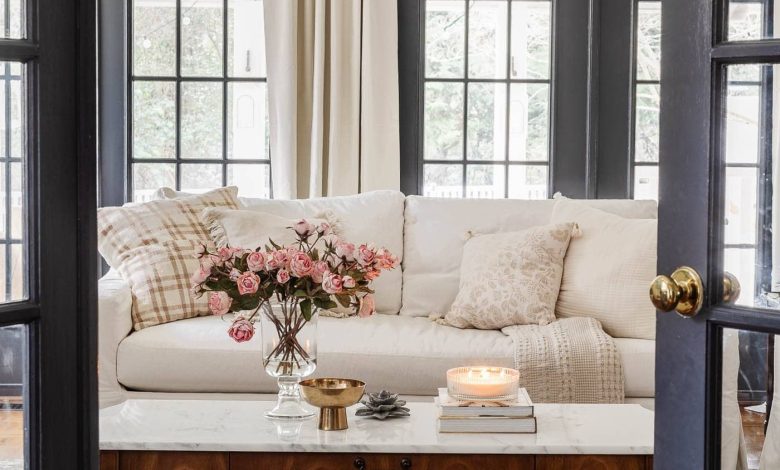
x,y
318,271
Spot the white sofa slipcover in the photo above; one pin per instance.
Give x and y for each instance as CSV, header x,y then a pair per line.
x,y
409,355
399,352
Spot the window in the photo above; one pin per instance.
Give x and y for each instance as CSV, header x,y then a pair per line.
x,y
197,95
12,196
647,99
744,157
748,155
486,99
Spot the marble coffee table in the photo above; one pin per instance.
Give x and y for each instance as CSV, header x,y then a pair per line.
x,y
234,435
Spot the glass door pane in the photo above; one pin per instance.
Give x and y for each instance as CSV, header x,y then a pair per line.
x,y
748,385
750,20
751,166
13,383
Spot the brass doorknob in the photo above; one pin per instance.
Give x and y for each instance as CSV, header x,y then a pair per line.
x,y
683,291
731,288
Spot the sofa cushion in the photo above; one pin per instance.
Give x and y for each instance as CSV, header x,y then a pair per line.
x,y
404,354
250,229
152,246
510,278
638,356
436,229
374,217
608,269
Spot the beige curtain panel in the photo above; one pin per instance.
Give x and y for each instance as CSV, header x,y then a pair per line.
x,y
333,96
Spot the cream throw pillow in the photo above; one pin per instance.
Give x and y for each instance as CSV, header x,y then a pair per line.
x,y
250,229
510,278
152,246
608,270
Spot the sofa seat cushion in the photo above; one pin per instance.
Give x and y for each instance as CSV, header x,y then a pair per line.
x,y
638,357
404,354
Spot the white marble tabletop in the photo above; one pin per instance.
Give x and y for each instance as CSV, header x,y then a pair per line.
x,y
239,426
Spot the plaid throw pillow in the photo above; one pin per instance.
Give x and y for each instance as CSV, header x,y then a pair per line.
x,y
152,246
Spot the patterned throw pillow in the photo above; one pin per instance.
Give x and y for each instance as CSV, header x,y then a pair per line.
x,y
511,278
152,246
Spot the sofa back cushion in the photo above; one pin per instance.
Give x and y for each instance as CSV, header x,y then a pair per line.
x,y
608,270
373,217
436,229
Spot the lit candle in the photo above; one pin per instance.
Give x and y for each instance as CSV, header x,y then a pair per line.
x,y
482,383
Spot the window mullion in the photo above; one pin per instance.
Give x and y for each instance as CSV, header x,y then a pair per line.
x,y
178,94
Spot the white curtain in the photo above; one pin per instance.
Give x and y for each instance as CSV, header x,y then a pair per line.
x,y
333,96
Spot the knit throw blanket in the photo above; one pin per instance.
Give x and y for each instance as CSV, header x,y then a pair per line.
x,y
571,360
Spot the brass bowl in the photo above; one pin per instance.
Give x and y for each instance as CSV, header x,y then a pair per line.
x,y
332,396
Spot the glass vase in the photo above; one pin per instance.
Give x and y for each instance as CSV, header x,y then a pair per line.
x,y
289,354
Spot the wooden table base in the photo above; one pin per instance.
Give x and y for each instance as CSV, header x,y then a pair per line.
x,y
153,460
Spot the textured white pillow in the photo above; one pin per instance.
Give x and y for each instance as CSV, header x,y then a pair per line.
x,y
250,229
510,278
608,270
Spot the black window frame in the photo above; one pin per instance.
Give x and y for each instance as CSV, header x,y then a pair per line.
x,y
573,108
466,80
116,92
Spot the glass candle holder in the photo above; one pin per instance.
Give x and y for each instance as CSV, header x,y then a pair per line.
x,y
483,383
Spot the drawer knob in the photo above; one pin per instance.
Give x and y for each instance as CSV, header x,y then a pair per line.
x,y
406,462
359,463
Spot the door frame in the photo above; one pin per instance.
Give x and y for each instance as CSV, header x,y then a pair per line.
x,y
61,312
689,351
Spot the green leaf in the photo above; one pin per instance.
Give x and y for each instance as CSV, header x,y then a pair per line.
x,y
300,293
344,300
249,303
306,309
325,304
274,244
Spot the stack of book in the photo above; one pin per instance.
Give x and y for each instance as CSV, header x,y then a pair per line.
x,y
486,416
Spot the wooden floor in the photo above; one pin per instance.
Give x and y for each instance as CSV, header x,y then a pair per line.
x,y
753,426
12,436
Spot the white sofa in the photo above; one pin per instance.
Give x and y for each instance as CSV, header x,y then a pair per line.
x,y
398,349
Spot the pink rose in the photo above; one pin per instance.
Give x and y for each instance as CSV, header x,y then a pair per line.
x,y
219,303
200,276
247,283
206,262
241,330
345,250
323,229
332,283
255,261
385,259
301,265
367,306
282,276
278,259
225,253
365,255
303,228
371,275
320,268
348,282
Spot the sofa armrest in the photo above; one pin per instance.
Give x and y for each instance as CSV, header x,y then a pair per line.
x,y
114,324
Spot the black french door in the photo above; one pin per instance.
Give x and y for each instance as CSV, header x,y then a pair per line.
x,y
719,189
48,262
